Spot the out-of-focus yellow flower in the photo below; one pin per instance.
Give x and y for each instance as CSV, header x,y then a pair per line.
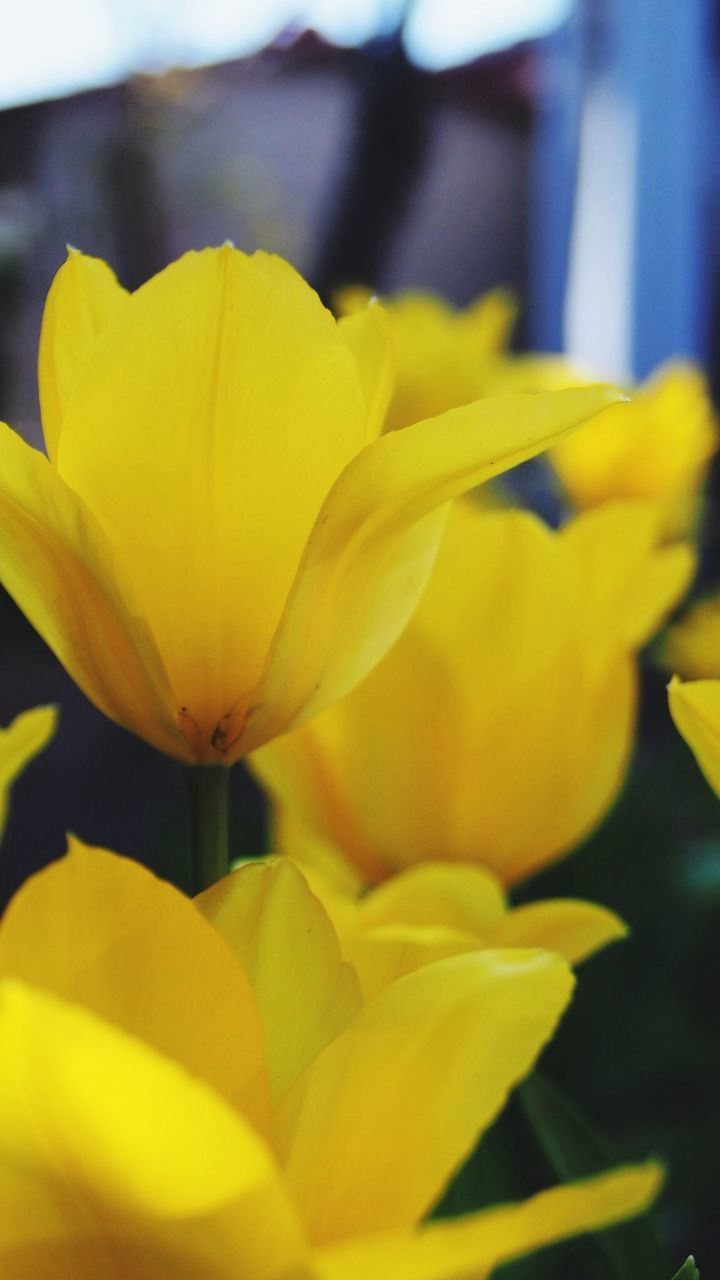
x,y
441,357
656,447
28,734
181,1100
219,546
499,727
692,646
695,708
439,909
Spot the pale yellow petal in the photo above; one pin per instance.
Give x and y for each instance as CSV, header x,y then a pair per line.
x,y
59,568
469,1248
574,928
105,933
695,708
204,438
477,1022
116,1162
27,735
370,553
84,299
286,945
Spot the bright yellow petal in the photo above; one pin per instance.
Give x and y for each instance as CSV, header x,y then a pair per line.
x,y
370,553
366,333
454,895
115,1162
469,1248
574,928
59,568
476,1022
288,948
204,437
695,708
28,734
84,299
105,933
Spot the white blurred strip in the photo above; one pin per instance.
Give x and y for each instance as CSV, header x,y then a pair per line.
x,y
598,307
53,47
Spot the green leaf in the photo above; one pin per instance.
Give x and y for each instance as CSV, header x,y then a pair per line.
x,y
688,1271
574,1149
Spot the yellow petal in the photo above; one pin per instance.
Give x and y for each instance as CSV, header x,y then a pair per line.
x,y
204,438
381,955
455,895
626,585
469,1248
287,946
372,547
105,933
574,928
477,1022
692,646
58,566
366,333
667,576
28,734
655,447
115,1162
84,299
695,708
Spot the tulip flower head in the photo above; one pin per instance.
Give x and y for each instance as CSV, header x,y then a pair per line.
x,y
499,727
657,447
438,909
180,1097
440,357
218,545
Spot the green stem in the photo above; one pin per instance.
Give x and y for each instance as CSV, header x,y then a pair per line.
x,y
207,800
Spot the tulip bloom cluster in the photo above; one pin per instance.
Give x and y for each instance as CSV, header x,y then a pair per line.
x,y
243,539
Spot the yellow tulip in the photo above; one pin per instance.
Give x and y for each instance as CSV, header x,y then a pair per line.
x,y
443,357
28,734
439,909
440,357
695,708
218,546
187,1100
498,729
656,447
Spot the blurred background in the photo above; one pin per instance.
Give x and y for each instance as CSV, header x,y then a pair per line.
x,y
567,149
